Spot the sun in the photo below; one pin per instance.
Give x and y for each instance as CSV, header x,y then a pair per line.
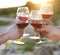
x,y
40,1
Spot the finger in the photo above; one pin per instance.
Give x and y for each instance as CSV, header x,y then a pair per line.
x,y
48,22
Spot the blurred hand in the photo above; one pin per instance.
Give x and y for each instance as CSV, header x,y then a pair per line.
x,y
15,33
12,34
50,32
48,22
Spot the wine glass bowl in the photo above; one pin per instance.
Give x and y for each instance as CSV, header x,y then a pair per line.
x,y
35,21
36,24
22,11
46,11
22,18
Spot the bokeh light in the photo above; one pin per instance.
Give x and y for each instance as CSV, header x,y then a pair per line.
x,y
12,3
40,1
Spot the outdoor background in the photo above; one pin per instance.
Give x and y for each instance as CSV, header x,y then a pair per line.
x,y
8,16
8,10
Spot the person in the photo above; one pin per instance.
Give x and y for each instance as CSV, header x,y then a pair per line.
x,y
13,33
51,32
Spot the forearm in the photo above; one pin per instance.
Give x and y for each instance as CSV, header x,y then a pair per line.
x,y
3,38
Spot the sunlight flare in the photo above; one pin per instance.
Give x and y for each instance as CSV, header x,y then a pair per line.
x,y
12,3
40,1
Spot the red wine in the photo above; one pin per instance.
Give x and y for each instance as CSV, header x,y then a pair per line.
x,y
22,25
46,16
36,25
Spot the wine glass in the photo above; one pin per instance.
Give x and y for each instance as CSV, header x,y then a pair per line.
x,y
46,10
36,22
22,18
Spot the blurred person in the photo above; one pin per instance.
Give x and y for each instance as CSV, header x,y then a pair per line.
x,y
50,32
13,34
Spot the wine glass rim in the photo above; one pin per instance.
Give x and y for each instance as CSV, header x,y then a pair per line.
x,y
26,8
22,7
35,10
45,8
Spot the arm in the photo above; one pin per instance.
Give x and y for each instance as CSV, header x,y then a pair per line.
x,y
51,32
13,34
3,38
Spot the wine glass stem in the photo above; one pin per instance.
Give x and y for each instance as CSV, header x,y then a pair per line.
x,y
37,33
23,32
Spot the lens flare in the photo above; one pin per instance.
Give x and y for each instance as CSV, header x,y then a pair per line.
x,y
12,3
40,1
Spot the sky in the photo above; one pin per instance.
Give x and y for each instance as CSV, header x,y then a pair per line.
x,y
15,3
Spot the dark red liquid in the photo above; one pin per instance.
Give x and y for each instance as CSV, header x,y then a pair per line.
x,y
36,25
22,25
46,16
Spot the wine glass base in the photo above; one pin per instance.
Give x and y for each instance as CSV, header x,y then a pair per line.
x,y
34,37
25,35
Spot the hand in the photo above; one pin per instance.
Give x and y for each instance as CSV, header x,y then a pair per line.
x,y
15,33
51,32
48,22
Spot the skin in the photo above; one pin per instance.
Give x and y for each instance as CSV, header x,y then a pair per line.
x,y
50,32
12,34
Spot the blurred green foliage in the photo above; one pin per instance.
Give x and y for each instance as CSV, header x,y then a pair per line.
x,y
26,47
29,44
8,12
4,23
